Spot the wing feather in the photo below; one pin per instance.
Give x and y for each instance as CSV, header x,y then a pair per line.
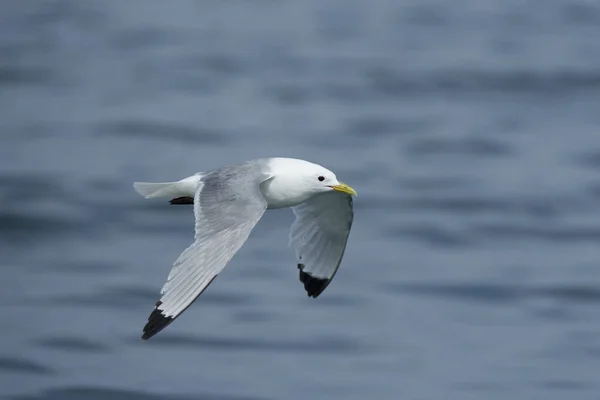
x,y
319,235
226,210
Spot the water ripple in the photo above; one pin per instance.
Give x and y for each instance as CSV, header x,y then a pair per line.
x,y
565,385
431,234
30,187
500,293
473,146
138,296
589,159
321,345
216,63
556,234
435,183
373,127
20,228
21,365
157,130
470,204
404,83
31,76
102,393
72,344
140,39
114,298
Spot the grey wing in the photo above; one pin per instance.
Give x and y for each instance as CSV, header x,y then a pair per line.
x,y
226,211
319,236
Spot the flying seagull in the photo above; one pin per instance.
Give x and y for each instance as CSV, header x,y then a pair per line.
x,y
229,201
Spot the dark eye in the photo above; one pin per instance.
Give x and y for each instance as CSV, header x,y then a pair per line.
x,y
321,178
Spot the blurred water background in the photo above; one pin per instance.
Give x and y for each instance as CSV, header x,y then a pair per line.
x,y
469,128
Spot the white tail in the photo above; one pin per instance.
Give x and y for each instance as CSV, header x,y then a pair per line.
x,y
183,188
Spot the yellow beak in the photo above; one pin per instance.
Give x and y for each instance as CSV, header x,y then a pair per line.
x,y
342,187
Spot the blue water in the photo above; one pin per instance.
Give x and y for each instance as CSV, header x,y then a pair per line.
x,y
470,129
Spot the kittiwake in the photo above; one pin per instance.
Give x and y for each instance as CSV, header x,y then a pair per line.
x,y
229,201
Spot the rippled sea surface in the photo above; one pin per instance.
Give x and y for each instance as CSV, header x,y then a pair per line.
x,y
470,129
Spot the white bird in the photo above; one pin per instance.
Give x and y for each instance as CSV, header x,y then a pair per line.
x,y
229,201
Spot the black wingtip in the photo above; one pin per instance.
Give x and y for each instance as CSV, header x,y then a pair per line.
x,y
156,323
182,200
313,286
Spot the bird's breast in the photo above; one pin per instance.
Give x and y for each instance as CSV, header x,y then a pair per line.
x,y
280,194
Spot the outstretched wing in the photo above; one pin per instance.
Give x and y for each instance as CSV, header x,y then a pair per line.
x,y
226,210
318,236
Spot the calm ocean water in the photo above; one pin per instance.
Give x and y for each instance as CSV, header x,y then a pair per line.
x,y
470,129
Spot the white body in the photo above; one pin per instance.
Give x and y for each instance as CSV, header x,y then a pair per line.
x,y
286,188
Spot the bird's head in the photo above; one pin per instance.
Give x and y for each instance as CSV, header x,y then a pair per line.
x,y
298,180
